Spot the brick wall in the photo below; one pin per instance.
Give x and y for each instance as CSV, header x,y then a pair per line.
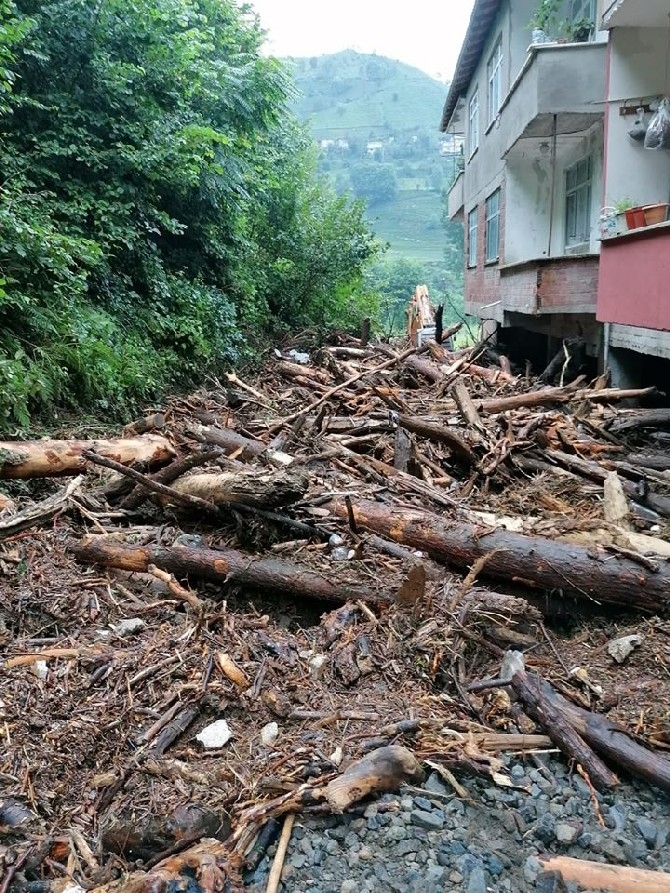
x,y
568,285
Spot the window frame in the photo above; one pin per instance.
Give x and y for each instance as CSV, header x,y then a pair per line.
x,y
473,114
494,82
473,230
489,218
578,199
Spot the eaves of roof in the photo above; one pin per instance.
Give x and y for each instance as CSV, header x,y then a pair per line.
x,y
483,16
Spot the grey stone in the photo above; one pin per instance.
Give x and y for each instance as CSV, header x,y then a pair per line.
x,y
431,821
517,772
648,830
531,869
477,881
565,834
422,803
298,860
435,785
349,886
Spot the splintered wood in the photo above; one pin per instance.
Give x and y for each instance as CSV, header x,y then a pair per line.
x,y
259,610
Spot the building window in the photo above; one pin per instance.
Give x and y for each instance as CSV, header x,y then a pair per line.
x,y
473,229
492,226
494,78
473,123
578,203
582,9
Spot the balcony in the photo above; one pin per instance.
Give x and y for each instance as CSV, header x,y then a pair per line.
x,y
560,90
635,14
455,199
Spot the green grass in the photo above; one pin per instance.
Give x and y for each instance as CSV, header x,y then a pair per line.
x,y
411,223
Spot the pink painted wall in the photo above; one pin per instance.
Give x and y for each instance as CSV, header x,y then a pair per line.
x,y
634,281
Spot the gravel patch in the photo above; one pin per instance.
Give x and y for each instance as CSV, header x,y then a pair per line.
x,y
429,841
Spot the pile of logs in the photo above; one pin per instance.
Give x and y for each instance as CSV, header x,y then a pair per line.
x,y
369,477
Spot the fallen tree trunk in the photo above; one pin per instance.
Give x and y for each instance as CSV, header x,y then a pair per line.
x,y
440,434
542,708
226,566
614,878
610,740
589,574
256,487
242,447
52,458
593,471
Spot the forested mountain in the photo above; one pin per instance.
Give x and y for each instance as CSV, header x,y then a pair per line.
x,y
376,123
360,96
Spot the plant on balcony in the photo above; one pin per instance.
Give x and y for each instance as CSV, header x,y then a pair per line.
x,y
545,17
579,30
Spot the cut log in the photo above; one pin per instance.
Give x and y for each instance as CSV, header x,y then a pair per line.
x,y
139,494
651,418
52,458
659,462
256,487
465,405
591,574
612,741
41,512
613,878
227,566
440,434
232,442
595,472
544,711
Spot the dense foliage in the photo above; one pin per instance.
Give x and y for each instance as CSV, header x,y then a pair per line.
x,y
158,205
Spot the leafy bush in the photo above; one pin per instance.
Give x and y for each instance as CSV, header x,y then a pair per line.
x,y
157,201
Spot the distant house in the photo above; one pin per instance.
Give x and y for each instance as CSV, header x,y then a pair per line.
x,y
343,145
452,144
326,144
374,146
634,281
532,122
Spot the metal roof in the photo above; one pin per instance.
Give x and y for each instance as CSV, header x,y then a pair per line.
x,y
483,16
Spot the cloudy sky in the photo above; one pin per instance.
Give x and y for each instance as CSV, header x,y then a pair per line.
x,y
423,33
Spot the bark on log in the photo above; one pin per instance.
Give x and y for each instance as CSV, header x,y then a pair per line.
x,y
652,418
52,458
593,471
533,561
612,741
614,878
543,710
259,488
226,566
440,434
231,442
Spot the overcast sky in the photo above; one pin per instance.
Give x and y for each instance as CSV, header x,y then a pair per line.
x,y
423,33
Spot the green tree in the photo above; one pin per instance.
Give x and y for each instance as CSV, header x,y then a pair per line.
x,y
140,144
374,181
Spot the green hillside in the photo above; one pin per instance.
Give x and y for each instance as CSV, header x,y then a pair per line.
x,y
376,122
354,95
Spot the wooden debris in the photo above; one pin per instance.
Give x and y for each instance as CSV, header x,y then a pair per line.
x,y
51,458
600,876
